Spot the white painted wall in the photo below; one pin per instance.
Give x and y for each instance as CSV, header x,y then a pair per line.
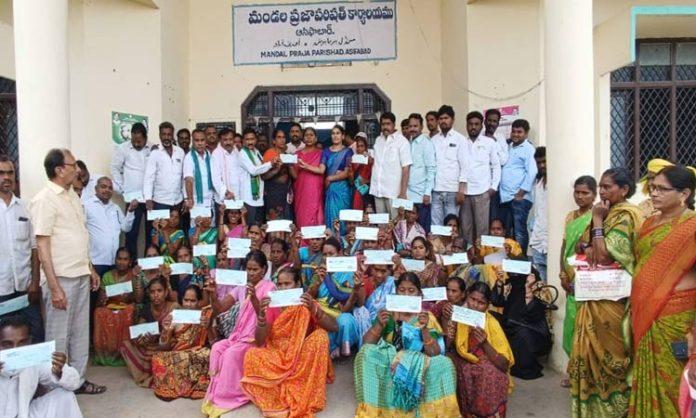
x,y
7,62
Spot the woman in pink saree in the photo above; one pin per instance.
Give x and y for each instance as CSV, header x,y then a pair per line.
x,y
308,175
227,356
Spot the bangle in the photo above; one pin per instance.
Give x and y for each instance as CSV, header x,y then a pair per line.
x,y
597,233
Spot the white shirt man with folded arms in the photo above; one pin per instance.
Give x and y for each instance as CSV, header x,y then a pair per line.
x,y
391,167
19,269
128,175
450,176
63,243
162,186
483,177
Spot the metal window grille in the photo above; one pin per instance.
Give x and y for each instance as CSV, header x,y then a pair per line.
x,y
653,105
9,144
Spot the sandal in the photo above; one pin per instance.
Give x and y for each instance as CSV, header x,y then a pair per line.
x,y
565,382
89,388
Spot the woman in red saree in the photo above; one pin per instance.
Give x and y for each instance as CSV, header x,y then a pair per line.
x,y
308,176
360,175
663,296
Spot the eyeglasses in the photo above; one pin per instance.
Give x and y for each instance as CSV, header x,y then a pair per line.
x,y
660,189
73,165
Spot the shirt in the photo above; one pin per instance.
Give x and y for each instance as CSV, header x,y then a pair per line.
x,y
502,144
421,179
16,242
391,154
540,235
292,149
128,168
483,168
104,224
228,169
519,172
163,176
249,170
189,168
88,192
450,153
57,213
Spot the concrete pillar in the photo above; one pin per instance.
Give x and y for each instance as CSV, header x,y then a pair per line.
x,y
569,90
43,101
455,59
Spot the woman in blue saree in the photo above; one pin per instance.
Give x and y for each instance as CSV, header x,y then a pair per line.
x,y
337,191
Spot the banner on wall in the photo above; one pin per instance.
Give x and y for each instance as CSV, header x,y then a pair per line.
x,y
121,124
508,114
314,32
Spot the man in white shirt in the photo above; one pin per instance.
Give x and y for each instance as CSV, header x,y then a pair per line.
x,y
483,178
89,182
251,183
183,139
128,175
295,143
390,170
163,175
450,177
227,166
19,266
539,238
431,122
211,138
491,123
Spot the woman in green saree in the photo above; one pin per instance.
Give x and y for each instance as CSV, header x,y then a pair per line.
x,y
664,287
600,354
167,236
203,233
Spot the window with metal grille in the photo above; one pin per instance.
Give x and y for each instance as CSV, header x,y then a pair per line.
x,y
357,106
653,105
9,144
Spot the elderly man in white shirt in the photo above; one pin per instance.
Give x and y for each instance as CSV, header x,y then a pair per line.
x,y
392,162
128,174
19,269
450,177
483,178
162,186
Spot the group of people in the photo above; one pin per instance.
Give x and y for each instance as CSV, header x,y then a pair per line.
x,y
454,208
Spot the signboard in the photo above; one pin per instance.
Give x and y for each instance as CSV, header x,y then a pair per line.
x,y
314,32
121,124
217,125
508,114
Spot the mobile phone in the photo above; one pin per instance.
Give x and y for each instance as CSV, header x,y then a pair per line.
x,y
680,350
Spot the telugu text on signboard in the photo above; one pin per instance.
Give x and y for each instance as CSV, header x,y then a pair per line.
x,y
314,32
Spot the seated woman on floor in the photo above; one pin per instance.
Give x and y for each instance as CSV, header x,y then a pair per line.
x,y
456,294
114,315
482,358
167,236
524,322
138,352
144,277
406,230
432,274
180,368
227,356
443,244
297,345
400,370
279,257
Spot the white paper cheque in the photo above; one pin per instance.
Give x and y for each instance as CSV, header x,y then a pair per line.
x,y
238,247
311,232
455,259
118,289
186,316
517,266
151,328
341,264
434,293
200,212
201,250
492,241
443,230
181,268
131,196
402,203
288,158
278,225
359,159
413,265
30,355
402,303
613,284
231,277
468,316
378,218
153,215
350,215
290,297
366,233
382,257
232,204
150,263
14,304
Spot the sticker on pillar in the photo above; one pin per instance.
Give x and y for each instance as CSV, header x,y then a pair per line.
x,y
121,124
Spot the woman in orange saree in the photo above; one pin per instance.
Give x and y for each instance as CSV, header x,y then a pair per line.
x,y
663,296
286,375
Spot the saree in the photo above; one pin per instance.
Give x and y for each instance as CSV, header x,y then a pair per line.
x,y
575,228
375,302
334,290
227,356
208,237
162,244
482,388
309,191
665,253
404,382
287,377
338,194
183,371
600,355
276,191
111,327
405,235
362,174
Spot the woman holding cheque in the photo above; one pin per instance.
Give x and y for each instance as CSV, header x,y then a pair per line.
x,y
400,368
